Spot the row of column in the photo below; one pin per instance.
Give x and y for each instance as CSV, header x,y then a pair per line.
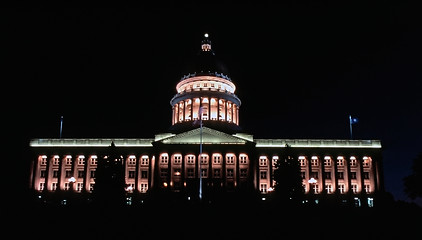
x,y
314,175
212,109
177,171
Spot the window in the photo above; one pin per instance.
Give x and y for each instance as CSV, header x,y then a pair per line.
x,y
216,159
43,161
144,160
366,175
367,188
329,188
177,159
54,186
315,188
164,158
274,160
144,187
302,175
163,172
81,160
41,186
340,175
132,160
352,175
341,188
314,161
243,172
230,159
190,159
204,159
366,161
353,162
204,172
131,174
81,174
190,172
217,173
144,174
243,159
263,188
263,174
92,173
302,161
68,174
94,160
327,161
43,174
56,161
230,173
263,161
327,175
79,186
340,161
55,173
314,175
354,188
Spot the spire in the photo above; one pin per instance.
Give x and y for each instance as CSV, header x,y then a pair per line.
x,y
206,44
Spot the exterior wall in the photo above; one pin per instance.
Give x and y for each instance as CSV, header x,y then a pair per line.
x,y
337,171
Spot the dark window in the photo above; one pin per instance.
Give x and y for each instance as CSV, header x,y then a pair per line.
x,y
366,175
327,175
144,174
163,172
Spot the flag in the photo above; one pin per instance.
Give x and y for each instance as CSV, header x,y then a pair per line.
x,y
353,120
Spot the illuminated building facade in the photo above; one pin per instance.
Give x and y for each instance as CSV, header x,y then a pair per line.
x,y
205,144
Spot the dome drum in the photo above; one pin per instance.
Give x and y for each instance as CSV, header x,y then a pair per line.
x,y
219,95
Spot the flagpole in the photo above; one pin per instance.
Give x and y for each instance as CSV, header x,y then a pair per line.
x,y
350,126
61,126
200,158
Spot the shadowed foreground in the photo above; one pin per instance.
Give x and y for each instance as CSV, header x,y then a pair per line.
x,y
205,221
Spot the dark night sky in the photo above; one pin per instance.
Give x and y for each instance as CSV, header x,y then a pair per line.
x,y
300,70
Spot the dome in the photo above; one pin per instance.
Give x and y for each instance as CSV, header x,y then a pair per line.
x,y
205,93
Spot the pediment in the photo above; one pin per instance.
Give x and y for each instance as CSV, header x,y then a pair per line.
x,y
209,136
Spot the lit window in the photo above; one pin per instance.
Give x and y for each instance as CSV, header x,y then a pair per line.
x,y
353,162
327,161
340,161
314,161
262,161
144,160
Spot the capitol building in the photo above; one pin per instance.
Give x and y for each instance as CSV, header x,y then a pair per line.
x,y
205,150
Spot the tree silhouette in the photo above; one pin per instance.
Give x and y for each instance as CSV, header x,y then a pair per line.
x,y
413,182
288,182
109,189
